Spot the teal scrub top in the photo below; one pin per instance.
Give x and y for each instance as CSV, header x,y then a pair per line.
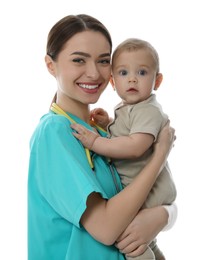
x,y
59,182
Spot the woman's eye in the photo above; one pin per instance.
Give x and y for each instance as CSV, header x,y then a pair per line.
x,y
105,61
78,60
142,72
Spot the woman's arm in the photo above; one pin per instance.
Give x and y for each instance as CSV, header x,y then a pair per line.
x,y
146,226
105,220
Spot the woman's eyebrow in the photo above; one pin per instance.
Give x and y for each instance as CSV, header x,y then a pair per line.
x,y
88,55
81,53
105,55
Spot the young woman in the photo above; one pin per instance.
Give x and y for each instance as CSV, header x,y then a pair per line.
x,y
76,206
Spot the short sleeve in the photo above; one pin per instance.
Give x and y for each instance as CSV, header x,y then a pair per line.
x,y
146,119
62,172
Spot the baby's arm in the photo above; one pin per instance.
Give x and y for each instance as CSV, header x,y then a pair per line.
x,y
100,117
124,147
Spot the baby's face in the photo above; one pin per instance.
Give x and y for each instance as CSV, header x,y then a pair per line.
x,y
134,75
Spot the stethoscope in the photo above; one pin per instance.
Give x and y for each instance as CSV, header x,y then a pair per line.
x,y
59,111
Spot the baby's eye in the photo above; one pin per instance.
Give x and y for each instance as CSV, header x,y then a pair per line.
x,y
123,72
78,60
142,72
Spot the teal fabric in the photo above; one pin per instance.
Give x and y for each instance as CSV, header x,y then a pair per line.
x,y
59,182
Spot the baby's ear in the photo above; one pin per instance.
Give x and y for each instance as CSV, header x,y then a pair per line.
x,y
112,82
158,81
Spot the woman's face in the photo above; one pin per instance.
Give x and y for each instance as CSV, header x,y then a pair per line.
x,y
82,69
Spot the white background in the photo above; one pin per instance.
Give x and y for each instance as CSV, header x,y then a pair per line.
x,y
176,29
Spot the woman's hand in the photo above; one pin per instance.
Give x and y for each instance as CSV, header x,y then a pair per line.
x,y
142,230
165,141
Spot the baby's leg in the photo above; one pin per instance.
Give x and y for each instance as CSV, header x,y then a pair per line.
x,y
147,255
155,249
158,253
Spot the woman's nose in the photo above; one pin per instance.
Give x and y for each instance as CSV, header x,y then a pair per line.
x,y
92,71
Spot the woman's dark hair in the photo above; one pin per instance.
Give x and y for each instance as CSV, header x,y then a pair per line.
x,y
67,27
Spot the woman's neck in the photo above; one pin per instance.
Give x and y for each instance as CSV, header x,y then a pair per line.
x,y
76,108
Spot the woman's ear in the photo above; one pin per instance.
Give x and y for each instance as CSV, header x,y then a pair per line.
x,y
112,82
158,81
50,65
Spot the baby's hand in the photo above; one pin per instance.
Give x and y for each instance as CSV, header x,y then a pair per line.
x,y
87,137
100,117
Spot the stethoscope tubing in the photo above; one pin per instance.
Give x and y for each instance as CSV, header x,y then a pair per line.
x,y
59,111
